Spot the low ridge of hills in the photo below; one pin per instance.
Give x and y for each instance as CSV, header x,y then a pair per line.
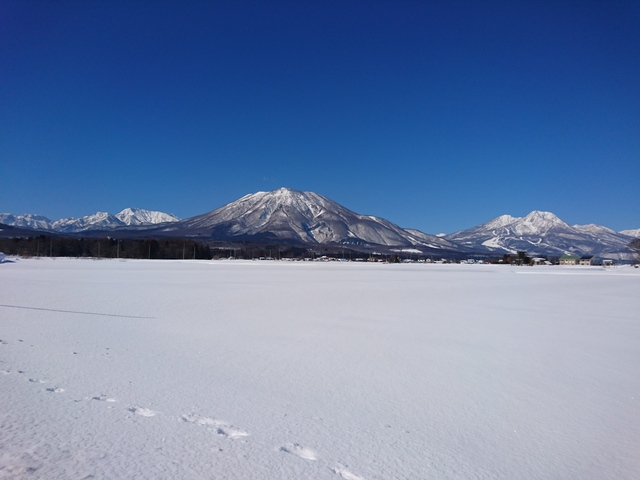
x,y
307,218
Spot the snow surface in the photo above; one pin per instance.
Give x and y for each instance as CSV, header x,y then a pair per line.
x,y
281,370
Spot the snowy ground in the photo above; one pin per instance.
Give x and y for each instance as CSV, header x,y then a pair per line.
x,y
277,370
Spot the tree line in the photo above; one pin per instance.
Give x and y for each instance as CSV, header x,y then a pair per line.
x,y
49,246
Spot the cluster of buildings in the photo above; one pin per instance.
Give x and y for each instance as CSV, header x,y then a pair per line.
x,y
583,260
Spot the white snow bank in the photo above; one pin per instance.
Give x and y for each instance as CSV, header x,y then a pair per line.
x,y
280,370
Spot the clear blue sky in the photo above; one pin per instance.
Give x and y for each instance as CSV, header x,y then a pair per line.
x,y
435,115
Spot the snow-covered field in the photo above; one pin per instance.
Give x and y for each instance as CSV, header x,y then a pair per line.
x,y
278,370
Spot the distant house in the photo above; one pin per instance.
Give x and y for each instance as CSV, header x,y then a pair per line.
x,y
607,262
540,261
587,260
569,260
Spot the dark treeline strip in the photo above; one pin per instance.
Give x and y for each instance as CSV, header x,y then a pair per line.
x,y
47,246
179,248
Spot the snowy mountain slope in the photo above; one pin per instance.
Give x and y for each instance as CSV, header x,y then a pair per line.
x,y
306,217
543,233
631,233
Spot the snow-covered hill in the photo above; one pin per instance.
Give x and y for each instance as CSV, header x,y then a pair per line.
x,y
304,217
544,233
631,233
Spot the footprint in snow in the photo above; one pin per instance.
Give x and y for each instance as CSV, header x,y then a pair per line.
x,y
104,398
221,428
5,372
346,474
231,432
55,390
202,421
299,451
143,412
36,380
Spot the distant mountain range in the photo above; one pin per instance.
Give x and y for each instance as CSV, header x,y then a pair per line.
x,y
97,221
307,218
544,233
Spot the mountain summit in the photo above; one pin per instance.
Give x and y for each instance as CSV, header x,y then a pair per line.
x,y
300,217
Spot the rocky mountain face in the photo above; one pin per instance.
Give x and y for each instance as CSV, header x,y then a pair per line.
x,y
543,233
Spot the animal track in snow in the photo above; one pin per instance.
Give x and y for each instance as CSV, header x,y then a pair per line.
x,y
5,372
55,390
221,428
143,412
299,451
36,380
346,474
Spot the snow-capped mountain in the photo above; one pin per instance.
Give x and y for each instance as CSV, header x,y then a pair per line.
x,y
545,234
37,222
97,221
300,217
138,216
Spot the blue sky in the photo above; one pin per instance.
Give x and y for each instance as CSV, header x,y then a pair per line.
x,y
435,115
